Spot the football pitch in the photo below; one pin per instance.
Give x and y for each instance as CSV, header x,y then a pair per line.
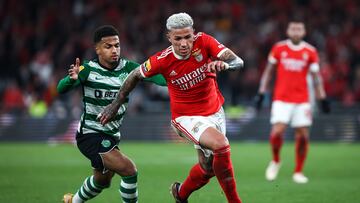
x,y
36,172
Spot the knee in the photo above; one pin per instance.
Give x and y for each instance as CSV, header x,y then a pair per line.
x,y
277,133
221,144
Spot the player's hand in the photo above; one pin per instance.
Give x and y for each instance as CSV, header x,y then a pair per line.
x,y
108,113
217,66
259,98
325,106
74,69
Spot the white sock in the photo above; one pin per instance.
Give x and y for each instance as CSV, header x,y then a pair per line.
x,y
77,199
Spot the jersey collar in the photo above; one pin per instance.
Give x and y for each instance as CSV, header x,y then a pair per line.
x,y
295,47
115,67
178,56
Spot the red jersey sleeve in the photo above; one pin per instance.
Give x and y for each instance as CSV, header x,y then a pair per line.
x,y
214,47
150,67
274,57
314,57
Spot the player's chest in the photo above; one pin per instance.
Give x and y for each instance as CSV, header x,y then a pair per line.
x,y
194,65
294,61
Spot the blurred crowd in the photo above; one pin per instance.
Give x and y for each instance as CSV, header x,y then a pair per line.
x,y
40,39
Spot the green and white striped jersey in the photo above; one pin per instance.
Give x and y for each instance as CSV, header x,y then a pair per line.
x,y
100,87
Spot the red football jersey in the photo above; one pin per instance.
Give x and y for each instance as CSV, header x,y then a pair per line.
x,y
292,65
192,88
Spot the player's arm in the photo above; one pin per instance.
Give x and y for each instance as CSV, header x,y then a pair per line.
x,y
319,89
231,59
129,84
71,80
264,83
227,60
266,78
157,79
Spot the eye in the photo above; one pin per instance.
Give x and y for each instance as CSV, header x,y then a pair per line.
x,y
187,37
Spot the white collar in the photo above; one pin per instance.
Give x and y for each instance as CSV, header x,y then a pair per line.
x,y
295,47
178,56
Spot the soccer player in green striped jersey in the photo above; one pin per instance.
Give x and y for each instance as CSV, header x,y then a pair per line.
x,y
100,80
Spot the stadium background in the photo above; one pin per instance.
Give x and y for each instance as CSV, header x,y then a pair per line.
x,y
40,39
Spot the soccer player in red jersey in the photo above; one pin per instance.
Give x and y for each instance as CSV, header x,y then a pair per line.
x,y
189,66
293,59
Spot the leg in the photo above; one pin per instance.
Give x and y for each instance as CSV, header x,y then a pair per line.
x,y
214,140
90,145
199,176
301,122
301,149
119,163
93,186
276,140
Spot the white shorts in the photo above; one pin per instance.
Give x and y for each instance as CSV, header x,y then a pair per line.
x,y
192,127
298,115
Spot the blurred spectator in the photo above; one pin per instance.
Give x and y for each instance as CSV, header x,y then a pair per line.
x,y
12,101
38,39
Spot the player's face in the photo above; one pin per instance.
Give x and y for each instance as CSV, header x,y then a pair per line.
x,y
182,40
296,31
108,50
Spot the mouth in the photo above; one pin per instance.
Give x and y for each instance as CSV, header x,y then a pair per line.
x,y
184,51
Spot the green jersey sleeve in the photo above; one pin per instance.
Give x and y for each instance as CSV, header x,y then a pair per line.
x,y
157,79
67,84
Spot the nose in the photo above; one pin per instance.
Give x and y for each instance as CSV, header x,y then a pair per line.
x,y
183,43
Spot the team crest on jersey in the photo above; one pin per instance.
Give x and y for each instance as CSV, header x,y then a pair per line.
x,y
305,56
106,143
146,66
284,54
197,54
81,68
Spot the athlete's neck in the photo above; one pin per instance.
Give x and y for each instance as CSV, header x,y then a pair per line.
x,y
179,56
108,66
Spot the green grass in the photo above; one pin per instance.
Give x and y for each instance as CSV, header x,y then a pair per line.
x,y
41,173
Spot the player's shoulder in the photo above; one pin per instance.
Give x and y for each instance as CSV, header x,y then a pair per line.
x,y
127,65
200,35
280,44
91,64
309,46
163,54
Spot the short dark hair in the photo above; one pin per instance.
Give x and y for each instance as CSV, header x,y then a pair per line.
x,y
296,19
104,31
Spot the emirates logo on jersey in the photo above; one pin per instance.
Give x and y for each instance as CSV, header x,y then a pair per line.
x,y
293,65
188,80
197,55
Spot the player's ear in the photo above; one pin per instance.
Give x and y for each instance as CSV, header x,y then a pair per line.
x,y
97,49
168,36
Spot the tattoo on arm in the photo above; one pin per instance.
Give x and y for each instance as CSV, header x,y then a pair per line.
x,y
133,78
232,59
